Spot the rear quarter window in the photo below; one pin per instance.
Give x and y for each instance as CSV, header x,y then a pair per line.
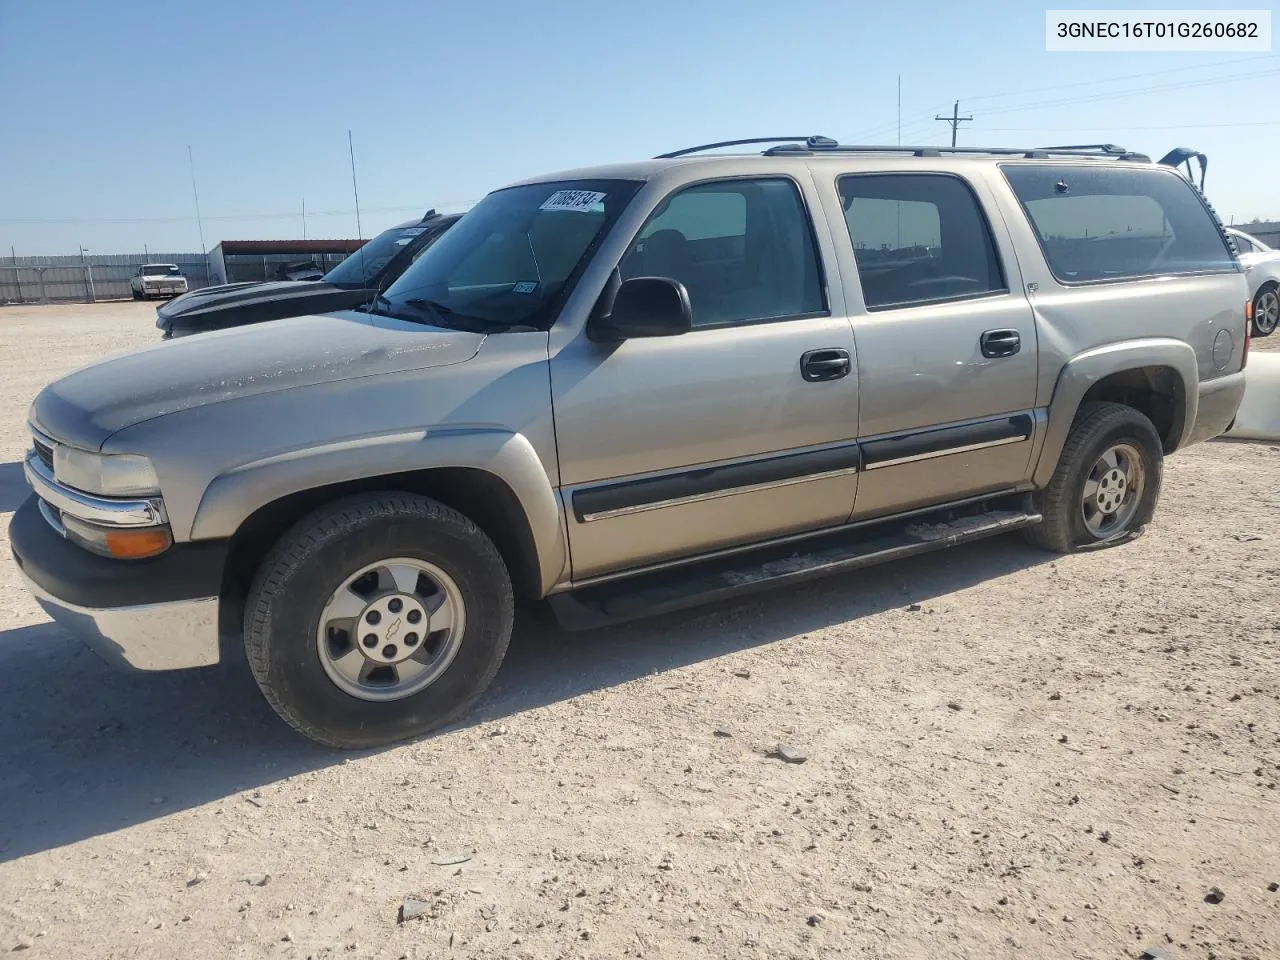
x,y
1105,223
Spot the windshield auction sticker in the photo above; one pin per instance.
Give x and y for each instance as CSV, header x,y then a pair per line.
x,y
1139,31
580,201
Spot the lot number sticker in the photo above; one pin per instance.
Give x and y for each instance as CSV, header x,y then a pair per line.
x,y
580,201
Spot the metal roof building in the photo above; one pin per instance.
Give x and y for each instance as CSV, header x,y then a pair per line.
x,y
239,261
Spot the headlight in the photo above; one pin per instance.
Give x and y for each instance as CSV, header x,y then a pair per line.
x,y
109,475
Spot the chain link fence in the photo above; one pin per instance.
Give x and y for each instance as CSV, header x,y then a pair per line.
x,y
77,279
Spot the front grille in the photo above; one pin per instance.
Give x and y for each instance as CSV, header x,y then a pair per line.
x,y
43,451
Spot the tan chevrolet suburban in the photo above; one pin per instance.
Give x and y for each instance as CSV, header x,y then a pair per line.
x,y
632,388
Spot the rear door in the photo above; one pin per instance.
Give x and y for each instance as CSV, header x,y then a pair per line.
x,y
946,342
740,430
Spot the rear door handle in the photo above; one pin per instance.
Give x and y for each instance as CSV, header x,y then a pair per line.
x,y
830,363
1000,343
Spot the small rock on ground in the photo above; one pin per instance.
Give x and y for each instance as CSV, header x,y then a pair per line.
x,y
411,909
789,754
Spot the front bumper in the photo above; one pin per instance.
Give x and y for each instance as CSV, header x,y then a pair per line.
x,y
157,614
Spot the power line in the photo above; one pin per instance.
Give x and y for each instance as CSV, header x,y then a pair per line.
x,y
1165,126
1138,91
879,129
226,218
1127,76
955,120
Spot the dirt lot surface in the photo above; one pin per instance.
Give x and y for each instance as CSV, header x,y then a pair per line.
x,y
1008,754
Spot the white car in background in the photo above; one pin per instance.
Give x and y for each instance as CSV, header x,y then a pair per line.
x,y
157,280
1262,267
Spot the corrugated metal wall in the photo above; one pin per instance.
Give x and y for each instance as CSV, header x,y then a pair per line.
x,y
49,279
1268,233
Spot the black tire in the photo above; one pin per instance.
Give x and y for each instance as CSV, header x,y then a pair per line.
x,y
136,294
1264,321
1098,427
282,615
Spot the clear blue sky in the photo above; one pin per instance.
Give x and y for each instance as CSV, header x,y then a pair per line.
x,y
448,99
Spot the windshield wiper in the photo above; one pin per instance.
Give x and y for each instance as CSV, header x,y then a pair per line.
x,y
448,317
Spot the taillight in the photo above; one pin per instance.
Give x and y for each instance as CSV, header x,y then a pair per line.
x,y
1248,332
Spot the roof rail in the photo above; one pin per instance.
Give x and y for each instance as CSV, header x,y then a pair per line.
x,y
819,144
1030,153
815,141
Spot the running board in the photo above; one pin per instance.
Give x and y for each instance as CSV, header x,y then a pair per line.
x,y
679,588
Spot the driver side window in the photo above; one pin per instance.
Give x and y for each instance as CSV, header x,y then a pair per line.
x,y
743,249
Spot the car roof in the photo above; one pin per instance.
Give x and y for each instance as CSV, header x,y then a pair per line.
x,y
823,150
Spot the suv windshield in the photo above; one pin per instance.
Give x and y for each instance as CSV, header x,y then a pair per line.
x,y
160,270
512,258
361,268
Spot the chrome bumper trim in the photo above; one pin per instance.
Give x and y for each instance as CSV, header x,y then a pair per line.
x,y
153,636
106,511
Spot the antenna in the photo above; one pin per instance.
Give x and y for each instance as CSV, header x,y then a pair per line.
x,y
199,223
356,191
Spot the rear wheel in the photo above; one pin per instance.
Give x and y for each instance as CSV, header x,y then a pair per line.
x,y
1106,484
377,619
1266,310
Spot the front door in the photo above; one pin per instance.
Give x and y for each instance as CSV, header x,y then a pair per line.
x,y
947,349
739,430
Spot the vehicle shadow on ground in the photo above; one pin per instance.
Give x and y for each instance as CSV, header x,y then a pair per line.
x,y
13,487
87,750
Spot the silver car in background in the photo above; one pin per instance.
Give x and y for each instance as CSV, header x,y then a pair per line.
x,y
1262,268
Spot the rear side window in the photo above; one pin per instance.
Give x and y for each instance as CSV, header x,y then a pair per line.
x,y
1106,223
743,249
918,238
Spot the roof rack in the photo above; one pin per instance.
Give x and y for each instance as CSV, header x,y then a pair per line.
x,y
822,142
819,144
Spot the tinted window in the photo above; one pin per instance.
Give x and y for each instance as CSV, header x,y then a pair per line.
x,y
743,249
361,268
1106,223
1242,245
918,238
513,257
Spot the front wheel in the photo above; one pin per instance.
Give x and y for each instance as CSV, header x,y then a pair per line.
x,y
1266,310
1106,484
378,618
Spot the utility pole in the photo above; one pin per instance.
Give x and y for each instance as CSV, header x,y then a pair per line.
x,y
955,120
304,218
87,268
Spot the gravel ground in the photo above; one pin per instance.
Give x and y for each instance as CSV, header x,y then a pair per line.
x,y
1008,754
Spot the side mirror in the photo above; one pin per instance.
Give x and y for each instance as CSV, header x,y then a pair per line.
x,y
646,307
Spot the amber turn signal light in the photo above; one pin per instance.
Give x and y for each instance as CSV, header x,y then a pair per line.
x,y
137,544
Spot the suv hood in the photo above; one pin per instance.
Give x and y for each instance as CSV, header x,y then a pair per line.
x,y
233,304
86,407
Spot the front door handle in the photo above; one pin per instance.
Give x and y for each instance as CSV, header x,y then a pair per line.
x,y
1000,343
830,363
